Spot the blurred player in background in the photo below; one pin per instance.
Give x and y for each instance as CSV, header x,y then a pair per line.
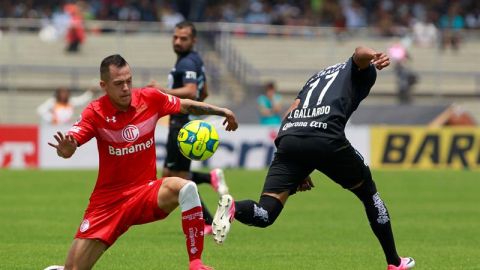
x,y
312,137
59,110
187,80
127,191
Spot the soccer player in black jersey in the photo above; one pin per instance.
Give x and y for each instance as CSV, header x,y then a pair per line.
x,y
312,137
187,80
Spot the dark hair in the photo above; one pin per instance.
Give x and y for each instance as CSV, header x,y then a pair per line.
x,y
115,60
188,24
270,84
59,90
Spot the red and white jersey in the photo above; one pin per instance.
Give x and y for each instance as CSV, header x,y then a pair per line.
x,y
125,140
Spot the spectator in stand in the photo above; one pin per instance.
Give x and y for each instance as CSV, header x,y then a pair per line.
x,y
75,32
406,78
58,110
354,15
269,106
170,17
472,16
425,33
451,25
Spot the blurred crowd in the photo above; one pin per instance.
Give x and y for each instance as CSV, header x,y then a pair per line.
x,y
390,17
427,22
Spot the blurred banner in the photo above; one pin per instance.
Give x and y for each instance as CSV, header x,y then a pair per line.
x,y
86,156
425,148
251,146
18,146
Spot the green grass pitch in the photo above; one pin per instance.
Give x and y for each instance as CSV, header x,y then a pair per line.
x,y
435,215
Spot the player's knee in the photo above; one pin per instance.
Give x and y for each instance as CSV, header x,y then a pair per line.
x,y
268,210
366,190
174,184
188,196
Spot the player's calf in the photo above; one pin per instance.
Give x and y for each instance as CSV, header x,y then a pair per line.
x,y
192,223
261,214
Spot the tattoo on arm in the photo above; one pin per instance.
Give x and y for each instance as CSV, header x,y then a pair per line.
x,y
202,109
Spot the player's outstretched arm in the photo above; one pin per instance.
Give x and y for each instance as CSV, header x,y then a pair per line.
x,y
364,56
189,106
67,145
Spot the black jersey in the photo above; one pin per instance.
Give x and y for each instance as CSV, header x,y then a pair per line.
x,y
327,101
189,68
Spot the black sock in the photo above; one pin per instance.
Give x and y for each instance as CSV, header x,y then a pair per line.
x,y
200,178
379,219
262,214
206,214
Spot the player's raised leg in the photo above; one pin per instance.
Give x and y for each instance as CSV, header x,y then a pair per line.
x,y
84,253
177,191
261,214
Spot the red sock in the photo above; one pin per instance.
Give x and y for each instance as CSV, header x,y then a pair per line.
x,y
193,224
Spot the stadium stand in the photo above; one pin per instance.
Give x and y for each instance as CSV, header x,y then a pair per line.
x,y
237,64
31,69
290,61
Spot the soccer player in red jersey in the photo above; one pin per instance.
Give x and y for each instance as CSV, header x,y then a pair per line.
x,y
127,191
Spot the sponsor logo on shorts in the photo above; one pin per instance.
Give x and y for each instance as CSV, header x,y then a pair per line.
x,y
85,225
130,133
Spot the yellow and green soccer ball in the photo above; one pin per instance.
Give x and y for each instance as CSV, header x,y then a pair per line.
x,y
197,140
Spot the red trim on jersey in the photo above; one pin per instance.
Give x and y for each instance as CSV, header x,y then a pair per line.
x,y
117,136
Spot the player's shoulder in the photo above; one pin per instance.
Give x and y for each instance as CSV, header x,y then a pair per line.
x,y
150,95
146,93
195,56
97,109
192,59
92,107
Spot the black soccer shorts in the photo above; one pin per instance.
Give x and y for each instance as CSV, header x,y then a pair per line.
x,y
298,156
174,160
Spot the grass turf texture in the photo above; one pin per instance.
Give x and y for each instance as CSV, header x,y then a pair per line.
x,y
436,219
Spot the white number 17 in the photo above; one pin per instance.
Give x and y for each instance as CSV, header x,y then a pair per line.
x,y
330,78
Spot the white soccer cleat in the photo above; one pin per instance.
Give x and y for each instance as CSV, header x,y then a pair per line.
x,y
55,267
223,218
217,179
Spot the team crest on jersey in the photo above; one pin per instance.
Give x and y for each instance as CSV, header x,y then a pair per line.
x,y
130,133
85,225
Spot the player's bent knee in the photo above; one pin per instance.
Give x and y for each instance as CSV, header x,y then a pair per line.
x,y
169,192
365,190
174,184
188,197
272,208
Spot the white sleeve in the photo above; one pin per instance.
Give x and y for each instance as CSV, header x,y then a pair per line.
x,y
45,109
82,99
